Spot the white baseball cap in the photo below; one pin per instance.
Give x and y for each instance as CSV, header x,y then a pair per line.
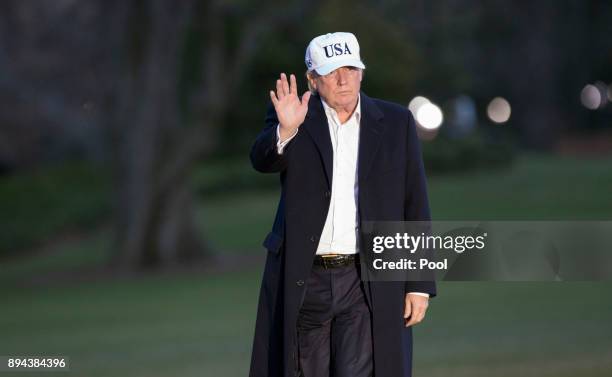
x,y
331,51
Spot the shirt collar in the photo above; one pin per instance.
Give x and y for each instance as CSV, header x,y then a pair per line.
x,y
331,112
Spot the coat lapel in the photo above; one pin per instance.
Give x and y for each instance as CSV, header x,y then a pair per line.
x,y
370,132
318,129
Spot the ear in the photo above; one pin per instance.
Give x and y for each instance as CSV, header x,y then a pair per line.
x,y
312,81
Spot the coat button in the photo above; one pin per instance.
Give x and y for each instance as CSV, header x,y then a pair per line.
x,y
327,194
299,283
313,238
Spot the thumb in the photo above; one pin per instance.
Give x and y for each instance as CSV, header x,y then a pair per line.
x,y
306,98
407,307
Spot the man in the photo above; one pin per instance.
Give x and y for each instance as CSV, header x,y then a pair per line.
x,y
343,158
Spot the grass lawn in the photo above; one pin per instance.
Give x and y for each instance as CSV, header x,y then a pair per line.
x,y
153,326
192,325
535,188
202,326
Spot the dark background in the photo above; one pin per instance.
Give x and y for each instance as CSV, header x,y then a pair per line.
x,y
132,220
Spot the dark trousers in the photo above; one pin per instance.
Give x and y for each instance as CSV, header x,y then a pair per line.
x,y
334,328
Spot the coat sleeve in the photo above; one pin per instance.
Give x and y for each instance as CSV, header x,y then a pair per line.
x,y
417,202
264,154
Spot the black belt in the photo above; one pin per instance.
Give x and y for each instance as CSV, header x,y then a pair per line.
x,y
336,260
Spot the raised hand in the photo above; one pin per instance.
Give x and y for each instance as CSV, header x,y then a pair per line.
x,y
289,109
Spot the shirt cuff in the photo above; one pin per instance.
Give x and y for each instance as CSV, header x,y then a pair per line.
x,y
419,294
281,146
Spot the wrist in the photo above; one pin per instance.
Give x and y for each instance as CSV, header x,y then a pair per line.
x,y
285,132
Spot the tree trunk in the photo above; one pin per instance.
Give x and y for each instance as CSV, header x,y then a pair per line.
x,y
154,210
155,149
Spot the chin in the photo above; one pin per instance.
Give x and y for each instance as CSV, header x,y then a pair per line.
x,y
346,98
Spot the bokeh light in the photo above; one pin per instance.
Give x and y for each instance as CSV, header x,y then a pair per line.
x,y
499,110
603,93
429,116
590,97
416,104
461,116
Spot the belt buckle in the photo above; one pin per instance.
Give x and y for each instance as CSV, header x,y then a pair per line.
x,y
327,261
325,265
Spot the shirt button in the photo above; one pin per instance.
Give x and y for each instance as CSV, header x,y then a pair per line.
x,y
299,283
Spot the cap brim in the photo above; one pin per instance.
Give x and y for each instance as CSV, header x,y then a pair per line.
x,y
327,68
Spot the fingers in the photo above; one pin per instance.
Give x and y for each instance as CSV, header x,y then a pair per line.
x,y
407,308
285,88
416,317
418,308
293,85
285,84
273,98
280,93
305,99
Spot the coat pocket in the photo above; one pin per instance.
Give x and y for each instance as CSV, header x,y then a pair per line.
x,y
273,242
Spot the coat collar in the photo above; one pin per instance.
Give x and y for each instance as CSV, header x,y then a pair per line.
x,y
370,131
370,135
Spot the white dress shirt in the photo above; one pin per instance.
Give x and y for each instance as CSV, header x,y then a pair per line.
x,y
341,233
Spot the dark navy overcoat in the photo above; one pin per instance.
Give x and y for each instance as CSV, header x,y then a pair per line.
x,y
392,187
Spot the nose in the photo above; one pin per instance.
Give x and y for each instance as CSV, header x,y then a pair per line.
x,y
342,76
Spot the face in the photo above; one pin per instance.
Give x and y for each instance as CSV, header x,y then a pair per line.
x,y
339,88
